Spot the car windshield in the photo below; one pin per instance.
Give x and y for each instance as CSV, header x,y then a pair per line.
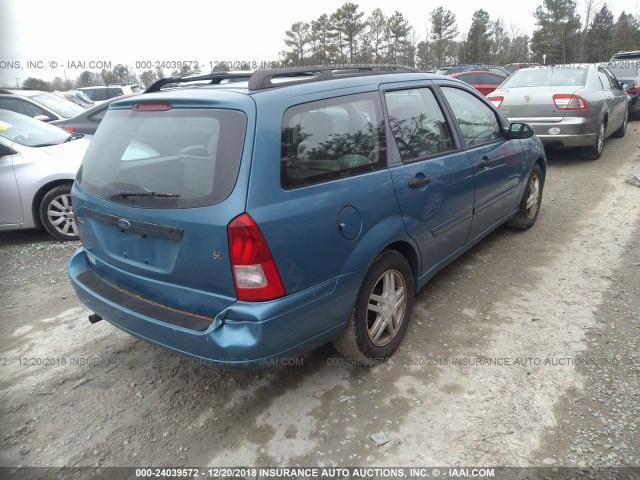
x,y
28,131
59,105
552,77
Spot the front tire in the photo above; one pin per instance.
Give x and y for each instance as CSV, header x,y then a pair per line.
x,y
381,313
530,203
56,213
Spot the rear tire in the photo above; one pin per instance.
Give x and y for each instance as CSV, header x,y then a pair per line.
x,y
623,129
594,152
530,203
56,213
381,313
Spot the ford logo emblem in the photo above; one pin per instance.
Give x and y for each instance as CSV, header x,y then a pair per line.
x,y
124,224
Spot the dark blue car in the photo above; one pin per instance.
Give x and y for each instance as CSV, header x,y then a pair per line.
x,y
243,218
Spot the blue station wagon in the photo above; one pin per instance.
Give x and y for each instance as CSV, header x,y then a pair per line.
x,y
242,218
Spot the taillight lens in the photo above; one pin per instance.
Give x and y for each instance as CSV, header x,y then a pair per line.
x,y
152,107
255,273
635,88
567,101
496,100
69,129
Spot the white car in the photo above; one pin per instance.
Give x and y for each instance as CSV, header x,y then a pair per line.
x,y
38,164
37,104
99,94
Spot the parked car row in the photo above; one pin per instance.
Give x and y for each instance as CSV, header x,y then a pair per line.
x,y
58,105
37,104
577,106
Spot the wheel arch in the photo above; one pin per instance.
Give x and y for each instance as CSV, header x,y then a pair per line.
x,y
543,166
390,234
39,195
408,252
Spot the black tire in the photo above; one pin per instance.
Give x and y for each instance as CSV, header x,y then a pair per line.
x,y
594,152
530,203
623,129
371,336
56,213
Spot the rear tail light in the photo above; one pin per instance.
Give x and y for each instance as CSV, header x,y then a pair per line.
x,y
496,100
255,273
567,101
635,88
69,129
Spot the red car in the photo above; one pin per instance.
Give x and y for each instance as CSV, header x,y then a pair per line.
x,y
484,82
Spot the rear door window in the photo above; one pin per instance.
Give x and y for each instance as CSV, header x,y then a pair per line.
x,y
417,124
179,158
332,139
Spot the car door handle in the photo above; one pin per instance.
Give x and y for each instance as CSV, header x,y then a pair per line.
x,y
484,163
417,182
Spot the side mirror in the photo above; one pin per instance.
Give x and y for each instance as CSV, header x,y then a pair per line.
x,y
519,131
43,118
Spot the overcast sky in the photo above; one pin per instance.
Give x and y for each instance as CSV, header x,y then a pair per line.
x,y
63,32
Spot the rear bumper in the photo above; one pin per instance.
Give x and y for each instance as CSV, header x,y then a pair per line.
x,y
634,105
569,132
245,335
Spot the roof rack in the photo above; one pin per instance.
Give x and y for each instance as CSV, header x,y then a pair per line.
x,y
214,79
264,79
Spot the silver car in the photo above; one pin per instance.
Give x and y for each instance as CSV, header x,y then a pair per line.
x,y
37,104
567,105
38,163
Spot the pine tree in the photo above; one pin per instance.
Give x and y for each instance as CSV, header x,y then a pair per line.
x,y
444,30
557,35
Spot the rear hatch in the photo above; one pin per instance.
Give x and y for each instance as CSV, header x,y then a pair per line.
x,y
535,95
158,186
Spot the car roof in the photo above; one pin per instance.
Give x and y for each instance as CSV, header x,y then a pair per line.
x,y
459,74
23,92
626,55
303,80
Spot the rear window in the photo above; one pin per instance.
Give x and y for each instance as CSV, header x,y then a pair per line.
x,y
97,94
179,158
114,92
62,107
625,69
553,77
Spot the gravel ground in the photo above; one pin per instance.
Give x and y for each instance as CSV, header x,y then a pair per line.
x,y
524,352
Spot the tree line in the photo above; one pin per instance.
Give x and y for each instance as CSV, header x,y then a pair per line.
x,y
564,33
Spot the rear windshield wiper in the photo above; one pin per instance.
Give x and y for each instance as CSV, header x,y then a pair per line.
x,y
129,193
